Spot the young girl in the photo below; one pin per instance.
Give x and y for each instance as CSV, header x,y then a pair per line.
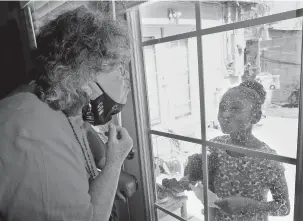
x,y
241,182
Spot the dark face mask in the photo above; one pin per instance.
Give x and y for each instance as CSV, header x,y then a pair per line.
x,y
101,110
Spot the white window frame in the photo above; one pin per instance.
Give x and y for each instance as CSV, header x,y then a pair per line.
x,y
143,128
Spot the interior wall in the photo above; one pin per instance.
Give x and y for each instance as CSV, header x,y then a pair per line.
x,y
13,48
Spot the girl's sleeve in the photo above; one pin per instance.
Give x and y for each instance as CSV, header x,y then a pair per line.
x,y
193,168
278,186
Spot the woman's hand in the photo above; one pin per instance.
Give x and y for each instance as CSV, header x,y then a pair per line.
x,y
233,204
120,196
118,148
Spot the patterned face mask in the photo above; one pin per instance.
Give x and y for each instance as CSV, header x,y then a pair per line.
x,y
108,96
101,109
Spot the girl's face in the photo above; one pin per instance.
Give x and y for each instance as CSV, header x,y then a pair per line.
x,y
236,112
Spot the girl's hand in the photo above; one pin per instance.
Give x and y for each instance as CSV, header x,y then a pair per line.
x,y
233,204
118,148
199,192
184,183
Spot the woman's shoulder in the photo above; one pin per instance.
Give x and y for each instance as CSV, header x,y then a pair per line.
x,y
20,101
24,111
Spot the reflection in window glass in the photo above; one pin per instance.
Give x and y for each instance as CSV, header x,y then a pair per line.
x,y
170,158
225,12
166,18
269,106
171,70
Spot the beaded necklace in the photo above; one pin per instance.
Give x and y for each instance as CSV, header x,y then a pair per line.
x,y
89,165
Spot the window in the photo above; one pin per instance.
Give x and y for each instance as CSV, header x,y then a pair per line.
x,y
227,43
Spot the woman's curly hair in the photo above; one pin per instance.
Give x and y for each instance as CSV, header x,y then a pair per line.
x,y
71,50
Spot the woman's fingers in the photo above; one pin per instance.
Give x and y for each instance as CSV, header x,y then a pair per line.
x,y
122,132
112,132
118,147
120,196
102,162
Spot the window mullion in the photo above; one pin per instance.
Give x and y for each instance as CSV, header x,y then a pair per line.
x,y
170,213
298,212
252,22
170,38
253,153
248,152
202,110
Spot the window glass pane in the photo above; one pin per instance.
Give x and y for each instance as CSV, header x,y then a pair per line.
x,y
274,61
217,13
211,14
166,18
253,181
173,87
170,158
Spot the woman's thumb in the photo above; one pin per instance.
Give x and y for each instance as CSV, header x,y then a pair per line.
x,y
112,132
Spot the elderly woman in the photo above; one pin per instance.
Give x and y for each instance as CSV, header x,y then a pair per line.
x,y
47,170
